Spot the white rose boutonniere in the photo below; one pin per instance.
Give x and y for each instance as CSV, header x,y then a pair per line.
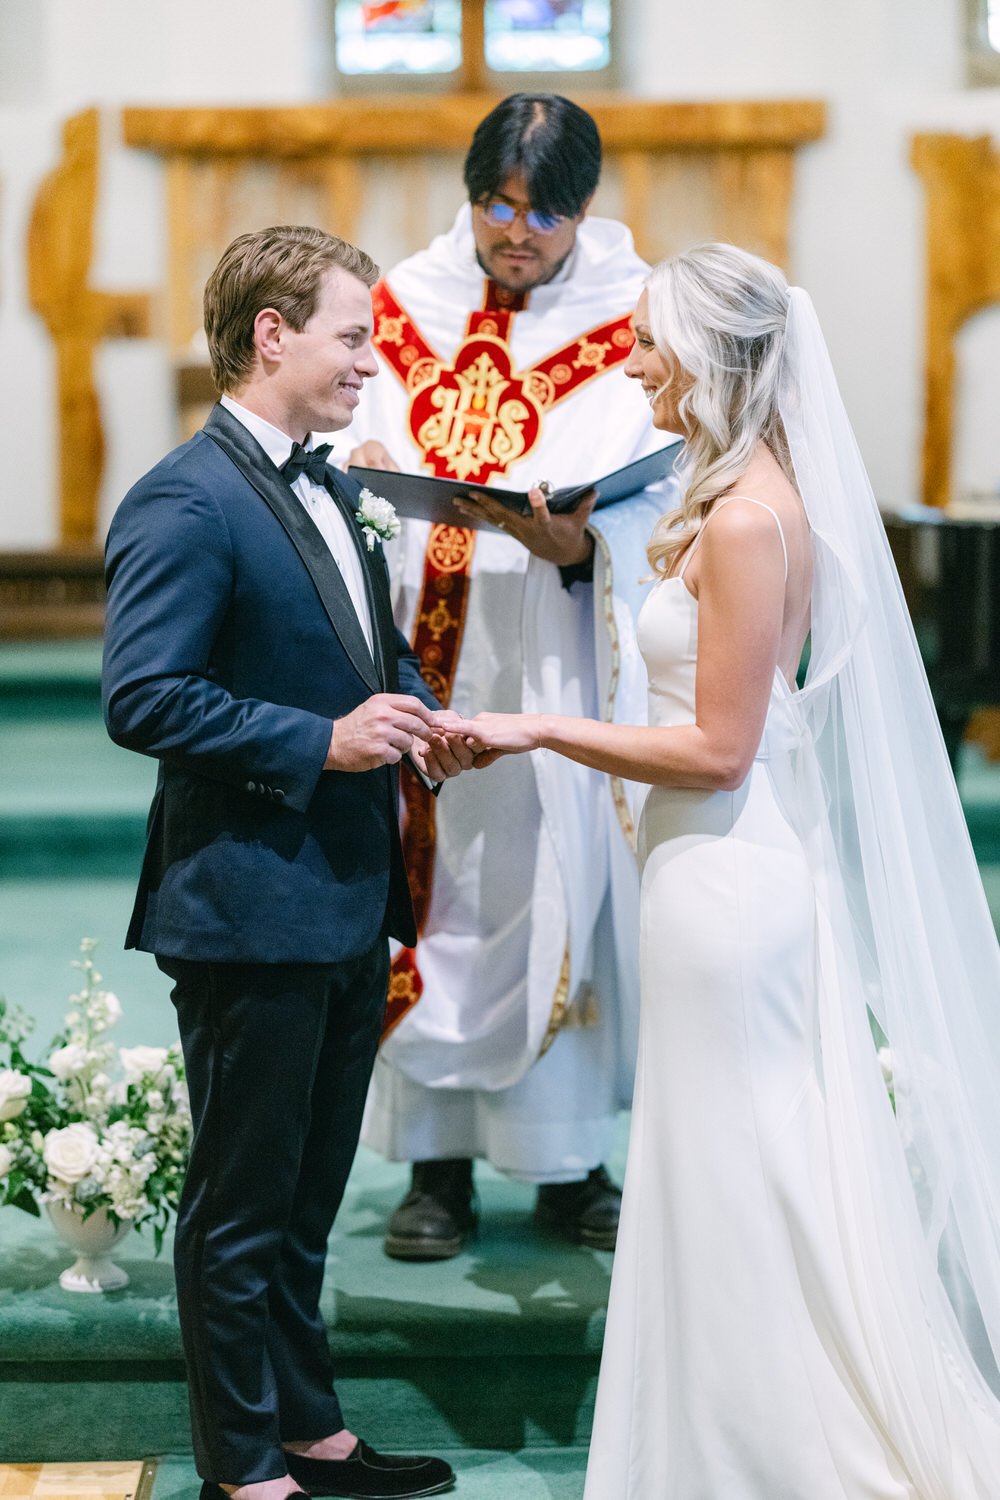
x,y
377,518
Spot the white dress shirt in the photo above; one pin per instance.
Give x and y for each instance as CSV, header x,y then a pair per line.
x,y
321,507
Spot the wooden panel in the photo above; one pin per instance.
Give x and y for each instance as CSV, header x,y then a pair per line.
x,y
416,124
962,181
740,196
60,250
69,1481
211,201
51,595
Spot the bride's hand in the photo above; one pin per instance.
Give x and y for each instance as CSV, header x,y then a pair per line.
x,y
507,734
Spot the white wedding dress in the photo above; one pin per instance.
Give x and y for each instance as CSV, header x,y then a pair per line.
x,y
768,1331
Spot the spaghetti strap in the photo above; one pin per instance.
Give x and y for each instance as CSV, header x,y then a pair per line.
x,y
718,506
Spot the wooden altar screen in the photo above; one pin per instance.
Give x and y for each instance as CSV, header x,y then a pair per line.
x,y
386,172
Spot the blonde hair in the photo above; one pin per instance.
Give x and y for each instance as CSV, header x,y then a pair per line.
x,y
717,316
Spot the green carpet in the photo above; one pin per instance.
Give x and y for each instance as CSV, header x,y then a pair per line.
x,y
495,1349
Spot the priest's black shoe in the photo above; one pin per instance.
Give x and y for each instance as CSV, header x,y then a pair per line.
x,y
437,1215
585,1212
367,1475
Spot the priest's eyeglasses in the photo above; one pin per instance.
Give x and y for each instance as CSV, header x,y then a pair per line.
x,y
500,215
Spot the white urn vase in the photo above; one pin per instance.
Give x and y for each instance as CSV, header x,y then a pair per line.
x,y
91,1240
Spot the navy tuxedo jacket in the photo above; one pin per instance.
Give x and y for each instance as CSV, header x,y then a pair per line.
x,y
231,645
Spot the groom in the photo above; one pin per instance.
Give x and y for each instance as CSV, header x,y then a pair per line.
x,y
250,649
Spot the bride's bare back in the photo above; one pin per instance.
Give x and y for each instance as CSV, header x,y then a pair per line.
x,y
764,482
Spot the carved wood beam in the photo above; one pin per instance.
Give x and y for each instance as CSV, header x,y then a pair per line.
x,y
60,251
361,125
962,181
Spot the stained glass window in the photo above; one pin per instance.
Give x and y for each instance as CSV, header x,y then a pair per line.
x,y
547,36
399,36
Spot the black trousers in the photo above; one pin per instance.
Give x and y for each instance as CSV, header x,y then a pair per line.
x,y
278,1062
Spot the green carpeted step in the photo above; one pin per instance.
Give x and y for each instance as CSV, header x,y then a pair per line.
x,y
70,800
498,1348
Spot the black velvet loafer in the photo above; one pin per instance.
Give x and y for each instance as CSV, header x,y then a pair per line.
x,y
367,1475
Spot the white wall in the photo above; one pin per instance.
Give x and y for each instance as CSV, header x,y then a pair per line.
x,y
61,56
886,68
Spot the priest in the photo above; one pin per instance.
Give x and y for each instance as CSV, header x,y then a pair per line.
x,y
511,1026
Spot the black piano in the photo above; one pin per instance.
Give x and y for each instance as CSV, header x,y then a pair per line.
x,y
950,572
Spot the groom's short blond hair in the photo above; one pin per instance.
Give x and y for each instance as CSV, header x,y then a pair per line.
x,y
281,267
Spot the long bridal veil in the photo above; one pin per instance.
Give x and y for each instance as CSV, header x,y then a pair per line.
x,y
904,933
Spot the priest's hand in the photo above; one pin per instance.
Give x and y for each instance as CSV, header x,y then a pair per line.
x,y
560,539
373,456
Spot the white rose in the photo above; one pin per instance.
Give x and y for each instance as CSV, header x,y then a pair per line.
x,y
6,1161
887,1063
71,1153
67,1062
137,1061
14,1091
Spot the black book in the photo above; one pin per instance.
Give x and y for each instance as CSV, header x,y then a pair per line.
x,y
421,497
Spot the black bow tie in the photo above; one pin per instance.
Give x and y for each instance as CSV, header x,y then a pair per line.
x,y
311,461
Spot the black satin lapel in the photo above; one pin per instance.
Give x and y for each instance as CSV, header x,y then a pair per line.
x,y
376,573
253,463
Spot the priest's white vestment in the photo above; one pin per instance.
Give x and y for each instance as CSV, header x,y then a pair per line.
x,y
521,1045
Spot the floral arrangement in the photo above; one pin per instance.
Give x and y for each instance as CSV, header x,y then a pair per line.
x,y
70,1131
377,518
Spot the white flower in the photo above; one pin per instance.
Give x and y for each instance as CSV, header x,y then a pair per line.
x,y
6,1161
112,1009
69,1061
71,1153
138,1061
14,1091
377,518
887,1063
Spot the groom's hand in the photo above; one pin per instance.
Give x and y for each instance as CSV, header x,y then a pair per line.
x,y
379,732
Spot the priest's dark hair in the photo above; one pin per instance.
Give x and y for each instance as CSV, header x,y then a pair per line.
x,y
551,140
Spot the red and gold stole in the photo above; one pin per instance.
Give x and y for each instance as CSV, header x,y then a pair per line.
x,y
471,419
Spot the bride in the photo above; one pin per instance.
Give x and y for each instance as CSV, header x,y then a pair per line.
x,y
805,1302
